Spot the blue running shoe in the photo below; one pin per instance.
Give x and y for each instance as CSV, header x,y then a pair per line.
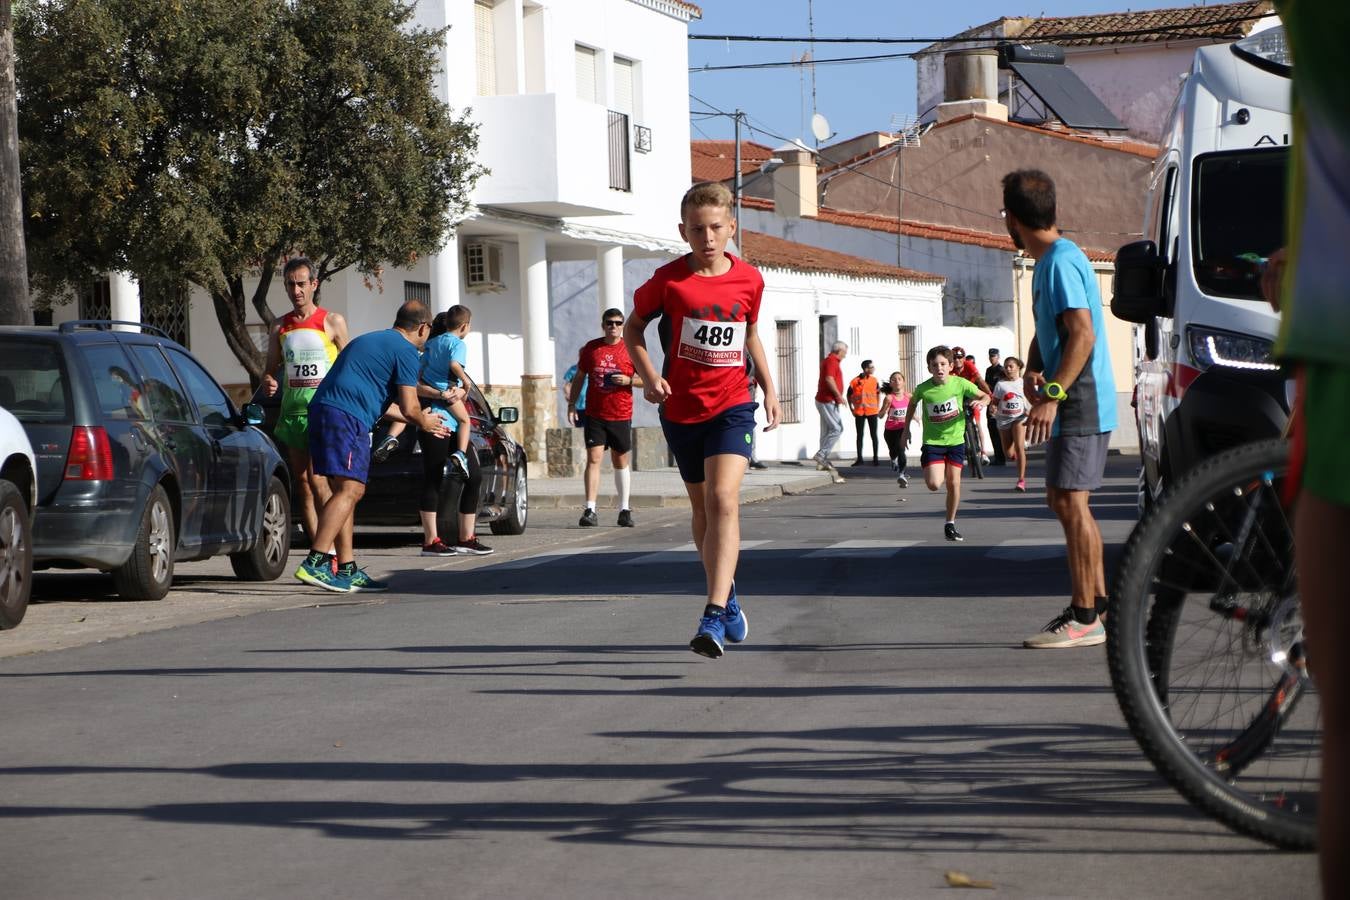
x,y
323,576
736,624
711,633
360,581
458,465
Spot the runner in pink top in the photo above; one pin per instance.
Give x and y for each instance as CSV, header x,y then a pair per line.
x,y
894,405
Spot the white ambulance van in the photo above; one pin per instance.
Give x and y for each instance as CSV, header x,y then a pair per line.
x,y
1205,377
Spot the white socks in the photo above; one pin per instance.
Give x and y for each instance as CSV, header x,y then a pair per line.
x,y
590,506
623,479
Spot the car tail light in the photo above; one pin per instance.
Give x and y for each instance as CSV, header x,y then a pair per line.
x,y
90,457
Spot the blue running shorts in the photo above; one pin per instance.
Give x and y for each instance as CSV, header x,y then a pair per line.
x,y
932,454
339,445
730,431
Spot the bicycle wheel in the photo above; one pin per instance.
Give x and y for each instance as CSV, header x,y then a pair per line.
x,y
1206,649
973,462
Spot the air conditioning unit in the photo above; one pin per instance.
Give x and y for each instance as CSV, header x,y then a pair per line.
x,y
483,267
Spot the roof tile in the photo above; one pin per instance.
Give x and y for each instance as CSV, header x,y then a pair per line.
x,y
1228,21
716,160
924,230
777,253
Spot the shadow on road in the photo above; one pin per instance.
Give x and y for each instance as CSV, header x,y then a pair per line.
x,y
1004,788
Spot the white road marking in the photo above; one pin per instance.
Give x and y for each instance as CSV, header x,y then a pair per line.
x,y
680,553
861,549
1027,549
549,557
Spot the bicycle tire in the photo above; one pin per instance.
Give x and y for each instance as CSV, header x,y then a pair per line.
x,y
973,462
1206,653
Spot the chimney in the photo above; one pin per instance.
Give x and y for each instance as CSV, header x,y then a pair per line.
x,y
794,182
971,86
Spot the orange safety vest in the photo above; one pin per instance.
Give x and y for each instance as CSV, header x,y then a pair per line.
x,y
863,397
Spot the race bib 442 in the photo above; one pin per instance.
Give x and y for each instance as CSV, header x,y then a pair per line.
x,y
712,343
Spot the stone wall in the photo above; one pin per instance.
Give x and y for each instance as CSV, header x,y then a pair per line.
x,y
536,414
567,452
500,395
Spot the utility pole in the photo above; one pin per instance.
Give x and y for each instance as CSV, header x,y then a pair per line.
x,y
15,306
736,116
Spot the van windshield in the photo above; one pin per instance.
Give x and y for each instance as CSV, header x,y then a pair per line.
x,y
1239,219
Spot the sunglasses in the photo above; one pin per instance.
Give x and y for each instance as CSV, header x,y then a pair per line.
x,y
615,322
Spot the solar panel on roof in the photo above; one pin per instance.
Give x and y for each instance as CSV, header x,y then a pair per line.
x,y
1066,95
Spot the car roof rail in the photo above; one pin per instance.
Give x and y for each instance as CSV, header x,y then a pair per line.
x,y
107,325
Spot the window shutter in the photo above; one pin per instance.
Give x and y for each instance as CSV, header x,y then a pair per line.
x,y
623,85
586,75
485,49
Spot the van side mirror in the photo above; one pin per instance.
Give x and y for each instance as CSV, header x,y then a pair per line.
x,y
253,414
508,415
1137,290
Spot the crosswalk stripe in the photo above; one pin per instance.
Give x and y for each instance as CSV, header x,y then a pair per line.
x,y
675,554
1026,549
550,557
861,549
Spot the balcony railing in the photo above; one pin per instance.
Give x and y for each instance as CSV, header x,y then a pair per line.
x,y
619,177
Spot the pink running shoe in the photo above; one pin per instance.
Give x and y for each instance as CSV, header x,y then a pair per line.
x,y
1022,485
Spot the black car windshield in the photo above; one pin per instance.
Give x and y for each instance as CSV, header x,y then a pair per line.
x,y
1239,219
32,380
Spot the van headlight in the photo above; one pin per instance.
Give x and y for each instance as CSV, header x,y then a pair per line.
x,y
1234,351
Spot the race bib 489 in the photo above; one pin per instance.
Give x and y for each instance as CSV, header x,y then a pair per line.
x,y
712,343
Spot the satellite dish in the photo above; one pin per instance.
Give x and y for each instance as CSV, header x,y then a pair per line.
x,y
820,127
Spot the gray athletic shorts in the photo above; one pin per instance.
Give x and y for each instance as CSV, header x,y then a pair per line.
x,y
1076,462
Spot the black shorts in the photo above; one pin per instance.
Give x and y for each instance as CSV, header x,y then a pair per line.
x,y
729,432
937,454
616,436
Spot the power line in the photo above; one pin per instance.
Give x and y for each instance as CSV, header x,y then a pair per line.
x,y
1181,32
880,57
856,171
951,39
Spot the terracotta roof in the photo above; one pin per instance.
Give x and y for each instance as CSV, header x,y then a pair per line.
x,y
777,253
716,160
925,230
694,10
1135,148
1185,22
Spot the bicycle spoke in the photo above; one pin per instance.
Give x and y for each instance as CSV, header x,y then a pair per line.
x,y
1207,655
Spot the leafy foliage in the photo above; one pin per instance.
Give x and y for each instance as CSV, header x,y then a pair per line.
x,y
208,139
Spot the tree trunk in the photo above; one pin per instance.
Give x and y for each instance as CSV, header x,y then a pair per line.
x,y
260,294
228,299
16,308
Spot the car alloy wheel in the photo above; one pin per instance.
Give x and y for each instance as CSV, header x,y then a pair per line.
x,y
159,543
276,528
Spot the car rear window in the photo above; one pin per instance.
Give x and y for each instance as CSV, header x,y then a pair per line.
x,y
33,382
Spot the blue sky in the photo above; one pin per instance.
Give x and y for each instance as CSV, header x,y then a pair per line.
x,y
855,97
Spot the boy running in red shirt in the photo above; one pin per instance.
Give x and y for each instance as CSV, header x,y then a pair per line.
x,y
709,303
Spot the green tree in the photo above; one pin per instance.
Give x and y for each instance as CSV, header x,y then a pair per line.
x,y
208,139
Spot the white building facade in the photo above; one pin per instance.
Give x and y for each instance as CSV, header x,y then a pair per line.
x,y
582,108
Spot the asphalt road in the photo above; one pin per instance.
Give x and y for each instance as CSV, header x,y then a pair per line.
x,y
531,724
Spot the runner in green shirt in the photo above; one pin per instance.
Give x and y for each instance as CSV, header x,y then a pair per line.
x,y
943,454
